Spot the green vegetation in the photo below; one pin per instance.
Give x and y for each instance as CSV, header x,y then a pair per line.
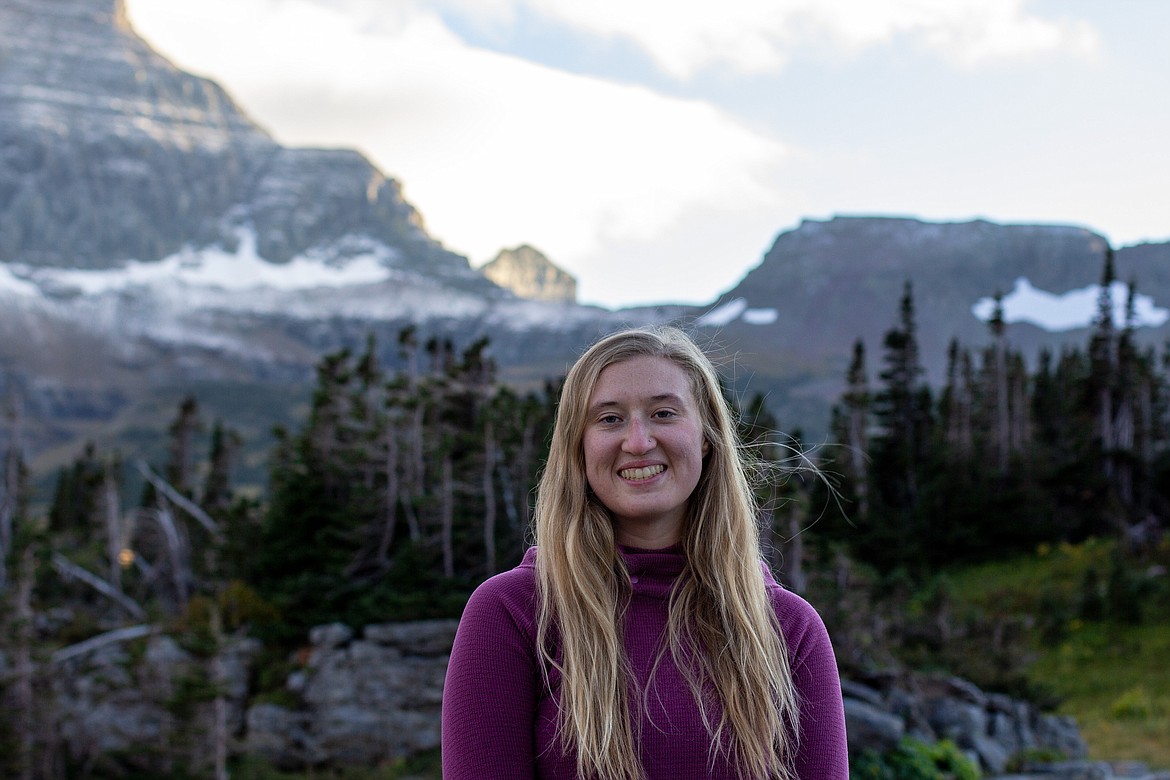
x,y
1006,530
1107,671
425,766
1010,528
1003,459
916,760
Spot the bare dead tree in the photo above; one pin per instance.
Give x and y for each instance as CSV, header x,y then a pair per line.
x,y
857,408
11,460
116,540
219,682
418,469
447,514
960,406
489,497
26,721
71,570
102,640
176,549
794,559
414,478
181,501
1021,414
392,496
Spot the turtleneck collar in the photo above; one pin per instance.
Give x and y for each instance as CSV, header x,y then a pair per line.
x,y
653,572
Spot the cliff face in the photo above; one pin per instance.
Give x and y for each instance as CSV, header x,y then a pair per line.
x,y
111,153
528,273
847,275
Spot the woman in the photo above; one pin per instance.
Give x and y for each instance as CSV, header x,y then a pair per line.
x,y
642,637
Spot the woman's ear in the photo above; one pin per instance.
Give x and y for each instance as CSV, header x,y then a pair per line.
x,y
706,446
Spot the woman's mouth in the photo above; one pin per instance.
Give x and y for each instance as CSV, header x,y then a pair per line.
x,y
644,472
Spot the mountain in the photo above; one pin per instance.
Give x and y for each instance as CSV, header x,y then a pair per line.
x,y
793,319
153,238
528,273
155,242
111,153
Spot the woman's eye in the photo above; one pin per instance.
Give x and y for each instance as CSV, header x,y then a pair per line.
x,y
664,413
609,419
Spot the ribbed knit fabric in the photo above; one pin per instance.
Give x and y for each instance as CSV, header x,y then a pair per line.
x,y
499,719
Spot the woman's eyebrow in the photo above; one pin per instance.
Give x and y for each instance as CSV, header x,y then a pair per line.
x,y
669,398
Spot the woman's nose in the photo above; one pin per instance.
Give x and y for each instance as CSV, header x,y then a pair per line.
x,y
638,438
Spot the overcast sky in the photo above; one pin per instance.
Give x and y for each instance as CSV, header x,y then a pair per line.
x,y
655,148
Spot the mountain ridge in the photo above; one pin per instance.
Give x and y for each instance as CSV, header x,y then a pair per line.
x,y
154,239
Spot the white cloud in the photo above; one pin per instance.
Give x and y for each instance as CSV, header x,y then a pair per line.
x,y
756,36
495,151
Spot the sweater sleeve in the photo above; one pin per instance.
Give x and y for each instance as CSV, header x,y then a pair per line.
x,y
492,687
823,753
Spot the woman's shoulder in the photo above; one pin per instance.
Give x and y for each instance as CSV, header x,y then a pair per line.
x,y
797,616
509,594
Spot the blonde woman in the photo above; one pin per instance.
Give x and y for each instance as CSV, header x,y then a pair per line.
x,y
642,638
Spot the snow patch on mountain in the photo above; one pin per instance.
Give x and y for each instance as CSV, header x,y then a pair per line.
x,y
1057,312
723,315
14,285
218,268
735,310
760,316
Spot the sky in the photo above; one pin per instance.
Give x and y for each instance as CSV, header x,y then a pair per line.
x,y
656,148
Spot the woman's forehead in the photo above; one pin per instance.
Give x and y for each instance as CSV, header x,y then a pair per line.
x,y
645,377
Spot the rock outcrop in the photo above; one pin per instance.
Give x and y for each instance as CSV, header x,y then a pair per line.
x,y
362,699
369,697
528,273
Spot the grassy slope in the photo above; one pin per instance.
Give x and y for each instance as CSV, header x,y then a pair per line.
x,y
1113,677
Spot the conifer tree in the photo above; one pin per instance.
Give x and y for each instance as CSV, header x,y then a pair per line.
x,y
181,446
1000,385
902,408
856,403
956,406
217,486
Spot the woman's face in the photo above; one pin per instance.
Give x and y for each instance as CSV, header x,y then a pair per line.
x,y
644,448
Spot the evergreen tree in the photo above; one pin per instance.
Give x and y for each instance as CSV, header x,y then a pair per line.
x,y
179,470
854,427
75,494
956,406
217,486
902,409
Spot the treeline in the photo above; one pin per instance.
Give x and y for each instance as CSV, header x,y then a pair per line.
x,y
403,489
398,494
401,492
1002,458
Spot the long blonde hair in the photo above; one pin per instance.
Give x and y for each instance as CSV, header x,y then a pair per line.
x,y
721,632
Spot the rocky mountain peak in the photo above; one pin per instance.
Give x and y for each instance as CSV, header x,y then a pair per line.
x,y
528,273
112,154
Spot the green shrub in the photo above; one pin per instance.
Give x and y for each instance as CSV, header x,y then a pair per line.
x,y
916,760
1134,704
1021,761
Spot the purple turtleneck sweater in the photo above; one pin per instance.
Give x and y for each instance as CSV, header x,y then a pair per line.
x,y
499,719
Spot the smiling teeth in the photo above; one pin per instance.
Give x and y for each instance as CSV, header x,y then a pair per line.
x,y
643,473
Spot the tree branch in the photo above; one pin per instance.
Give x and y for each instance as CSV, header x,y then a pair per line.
x,y
71,569
101,640
186,504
